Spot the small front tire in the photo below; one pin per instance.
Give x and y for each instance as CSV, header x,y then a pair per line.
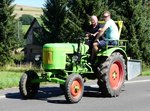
x,y
28,89
74,88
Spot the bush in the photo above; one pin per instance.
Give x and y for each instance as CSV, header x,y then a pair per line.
x,y
26,19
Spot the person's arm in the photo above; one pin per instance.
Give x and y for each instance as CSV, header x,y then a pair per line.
x,y
100,26
87,34
95,34
101,32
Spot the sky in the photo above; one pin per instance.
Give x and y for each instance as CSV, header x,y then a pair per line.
x,y
35,3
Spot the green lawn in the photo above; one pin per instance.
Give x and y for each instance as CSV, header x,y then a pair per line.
x,y
10,75
146,73
146,70
9,79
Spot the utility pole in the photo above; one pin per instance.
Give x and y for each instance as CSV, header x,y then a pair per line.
x,y
18,30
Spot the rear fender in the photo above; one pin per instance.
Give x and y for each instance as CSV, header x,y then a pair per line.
x,y
109,51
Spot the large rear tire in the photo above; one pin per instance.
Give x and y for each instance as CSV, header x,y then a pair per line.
x,y
74,88
28,89
112,75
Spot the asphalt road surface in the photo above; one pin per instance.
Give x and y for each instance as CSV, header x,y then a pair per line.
x,y
135,96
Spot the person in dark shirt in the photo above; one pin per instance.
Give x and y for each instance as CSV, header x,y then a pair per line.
x,y
93,29
92,32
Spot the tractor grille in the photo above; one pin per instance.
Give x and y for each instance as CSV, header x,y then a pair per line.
x,y
47,57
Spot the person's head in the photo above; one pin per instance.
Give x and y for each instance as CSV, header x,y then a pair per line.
x,y
94,20
106,15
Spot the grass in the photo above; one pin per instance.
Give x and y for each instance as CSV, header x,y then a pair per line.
x,y
10,76
146,70
9,79
21,9
146,73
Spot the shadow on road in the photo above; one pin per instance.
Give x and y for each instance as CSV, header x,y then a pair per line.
x,y
92,92
13,95
43,93
53,94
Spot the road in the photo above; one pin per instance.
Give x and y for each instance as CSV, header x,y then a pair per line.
x,y
135,96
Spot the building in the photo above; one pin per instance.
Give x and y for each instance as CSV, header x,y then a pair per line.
x,y
32,50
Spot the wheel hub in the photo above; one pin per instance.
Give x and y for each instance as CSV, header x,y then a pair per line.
x,y
75,88
114,75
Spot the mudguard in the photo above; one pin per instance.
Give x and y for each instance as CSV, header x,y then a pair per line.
x,y
109,51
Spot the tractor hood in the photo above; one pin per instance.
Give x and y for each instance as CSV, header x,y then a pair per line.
x,y
68,48
54,55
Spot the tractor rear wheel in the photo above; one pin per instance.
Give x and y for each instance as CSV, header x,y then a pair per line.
x,y
112,75
28,89
74,88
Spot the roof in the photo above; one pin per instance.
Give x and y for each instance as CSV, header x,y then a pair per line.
x,y
38,20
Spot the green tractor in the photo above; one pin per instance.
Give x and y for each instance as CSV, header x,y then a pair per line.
x,y
67,65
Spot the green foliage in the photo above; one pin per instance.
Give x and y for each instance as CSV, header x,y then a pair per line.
x,y
138,32
26,19
65,20
83,9
19,34
7,31
132,24
58,25
144,36
18,57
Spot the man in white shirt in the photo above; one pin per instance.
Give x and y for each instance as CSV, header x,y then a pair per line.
x,y
111,34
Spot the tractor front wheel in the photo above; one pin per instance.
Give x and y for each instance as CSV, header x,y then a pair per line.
x,y
27,88
74,88
112,75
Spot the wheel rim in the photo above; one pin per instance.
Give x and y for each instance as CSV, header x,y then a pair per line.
x,y
76,88
116,75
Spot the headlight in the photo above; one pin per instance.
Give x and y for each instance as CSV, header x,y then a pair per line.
x,y
37,57
75,58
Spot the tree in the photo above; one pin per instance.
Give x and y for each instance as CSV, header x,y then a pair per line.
x,y
26,19
145,33
7,31
19,33
83,9
65,20
58,25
